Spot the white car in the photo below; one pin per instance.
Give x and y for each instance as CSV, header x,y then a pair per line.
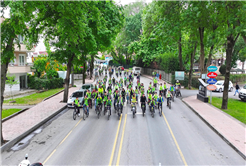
x,y
80,94
136,70
242,94
220,86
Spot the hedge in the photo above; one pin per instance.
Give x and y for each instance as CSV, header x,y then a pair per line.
x,y
194,82
37,83
237,78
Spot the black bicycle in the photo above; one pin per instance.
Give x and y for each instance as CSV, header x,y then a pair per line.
x,y
120,107
75,112
160,109
85,113
108,109
143,106
169,103
99,110
134,108
152,111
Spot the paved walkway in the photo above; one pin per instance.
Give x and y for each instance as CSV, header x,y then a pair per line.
x,y
19,124
228,127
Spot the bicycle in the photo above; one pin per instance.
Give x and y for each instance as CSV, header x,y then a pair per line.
x,y
169,103
143,106
99,110
133,109
120,106
160,109
75,112
173,95
152,111
85,113
108,109
90,103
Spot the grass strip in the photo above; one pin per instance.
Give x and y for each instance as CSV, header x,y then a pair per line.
x,y
35,98
8,112
236,108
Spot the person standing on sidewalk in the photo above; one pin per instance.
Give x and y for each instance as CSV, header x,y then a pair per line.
x,y
157,76
237,88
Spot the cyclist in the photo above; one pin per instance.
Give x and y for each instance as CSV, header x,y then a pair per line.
x,y
109,104
160,100
86,104
77,104
177,86
88,94
127,94
149,91
123,93
150,97
142,90
104,87
121,102
109,81
165,88
152,104
125,79
150,86
143,101
172,89
95,98
100,90
131,93
155,82
160,88
113,81
139,85
134,101
130,77
116,96
99,102
153,90
136,92
169,96
155,97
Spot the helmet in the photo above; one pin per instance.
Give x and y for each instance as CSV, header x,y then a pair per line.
x,y
177,80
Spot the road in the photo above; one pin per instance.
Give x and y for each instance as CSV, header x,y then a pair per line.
x,y
178,137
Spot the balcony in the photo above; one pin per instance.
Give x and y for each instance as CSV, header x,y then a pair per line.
x,y
19,69
23,48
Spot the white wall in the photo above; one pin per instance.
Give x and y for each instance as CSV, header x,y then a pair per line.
x,y
63,74
15,87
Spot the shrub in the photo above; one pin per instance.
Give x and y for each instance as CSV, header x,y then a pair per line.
x,y
237,77
168,62
222,69
37,83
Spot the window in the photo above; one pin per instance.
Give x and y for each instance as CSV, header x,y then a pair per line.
x,y
86,86
137,68
77,94
21,38
21,60
13,61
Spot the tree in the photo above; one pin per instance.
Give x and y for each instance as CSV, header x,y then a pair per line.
x,y
20,13
222,69
11,82
232,17
242,57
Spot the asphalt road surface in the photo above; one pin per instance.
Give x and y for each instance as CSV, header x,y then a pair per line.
x,y
177,137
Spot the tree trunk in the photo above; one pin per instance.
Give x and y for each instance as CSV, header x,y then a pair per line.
x,y
4,69
67,79
191,66
202,54
84,71
209,56
72,75
180,55
229,49
243,67
244,38
91,66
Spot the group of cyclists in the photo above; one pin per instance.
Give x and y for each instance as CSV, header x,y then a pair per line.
x,y
110,91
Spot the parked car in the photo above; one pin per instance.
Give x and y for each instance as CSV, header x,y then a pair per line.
x,y
220,86
242,93
87,86
80,94
136,70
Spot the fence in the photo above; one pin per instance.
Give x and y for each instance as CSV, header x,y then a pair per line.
x,y
164,76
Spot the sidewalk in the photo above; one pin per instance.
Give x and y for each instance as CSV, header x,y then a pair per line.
x,y
21,123
229,128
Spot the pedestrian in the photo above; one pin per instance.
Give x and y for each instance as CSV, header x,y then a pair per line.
x,y
157,76
237,88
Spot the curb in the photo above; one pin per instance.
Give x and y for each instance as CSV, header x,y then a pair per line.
x,y
11,143
216,131
19,94
13,115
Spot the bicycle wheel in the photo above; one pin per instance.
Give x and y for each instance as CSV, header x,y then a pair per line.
x,y
160,110
108,114
98,113
169,105
84,114
173,98
74,114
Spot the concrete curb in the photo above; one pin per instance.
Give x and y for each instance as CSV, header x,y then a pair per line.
x,y
13,115
216,131
11,143
18,94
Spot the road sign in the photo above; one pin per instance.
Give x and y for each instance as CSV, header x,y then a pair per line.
x,y
211,87
179,75
212,75
212,68
211,81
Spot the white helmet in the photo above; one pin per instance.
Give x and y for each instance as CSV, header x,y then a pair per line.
x,y
177,80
